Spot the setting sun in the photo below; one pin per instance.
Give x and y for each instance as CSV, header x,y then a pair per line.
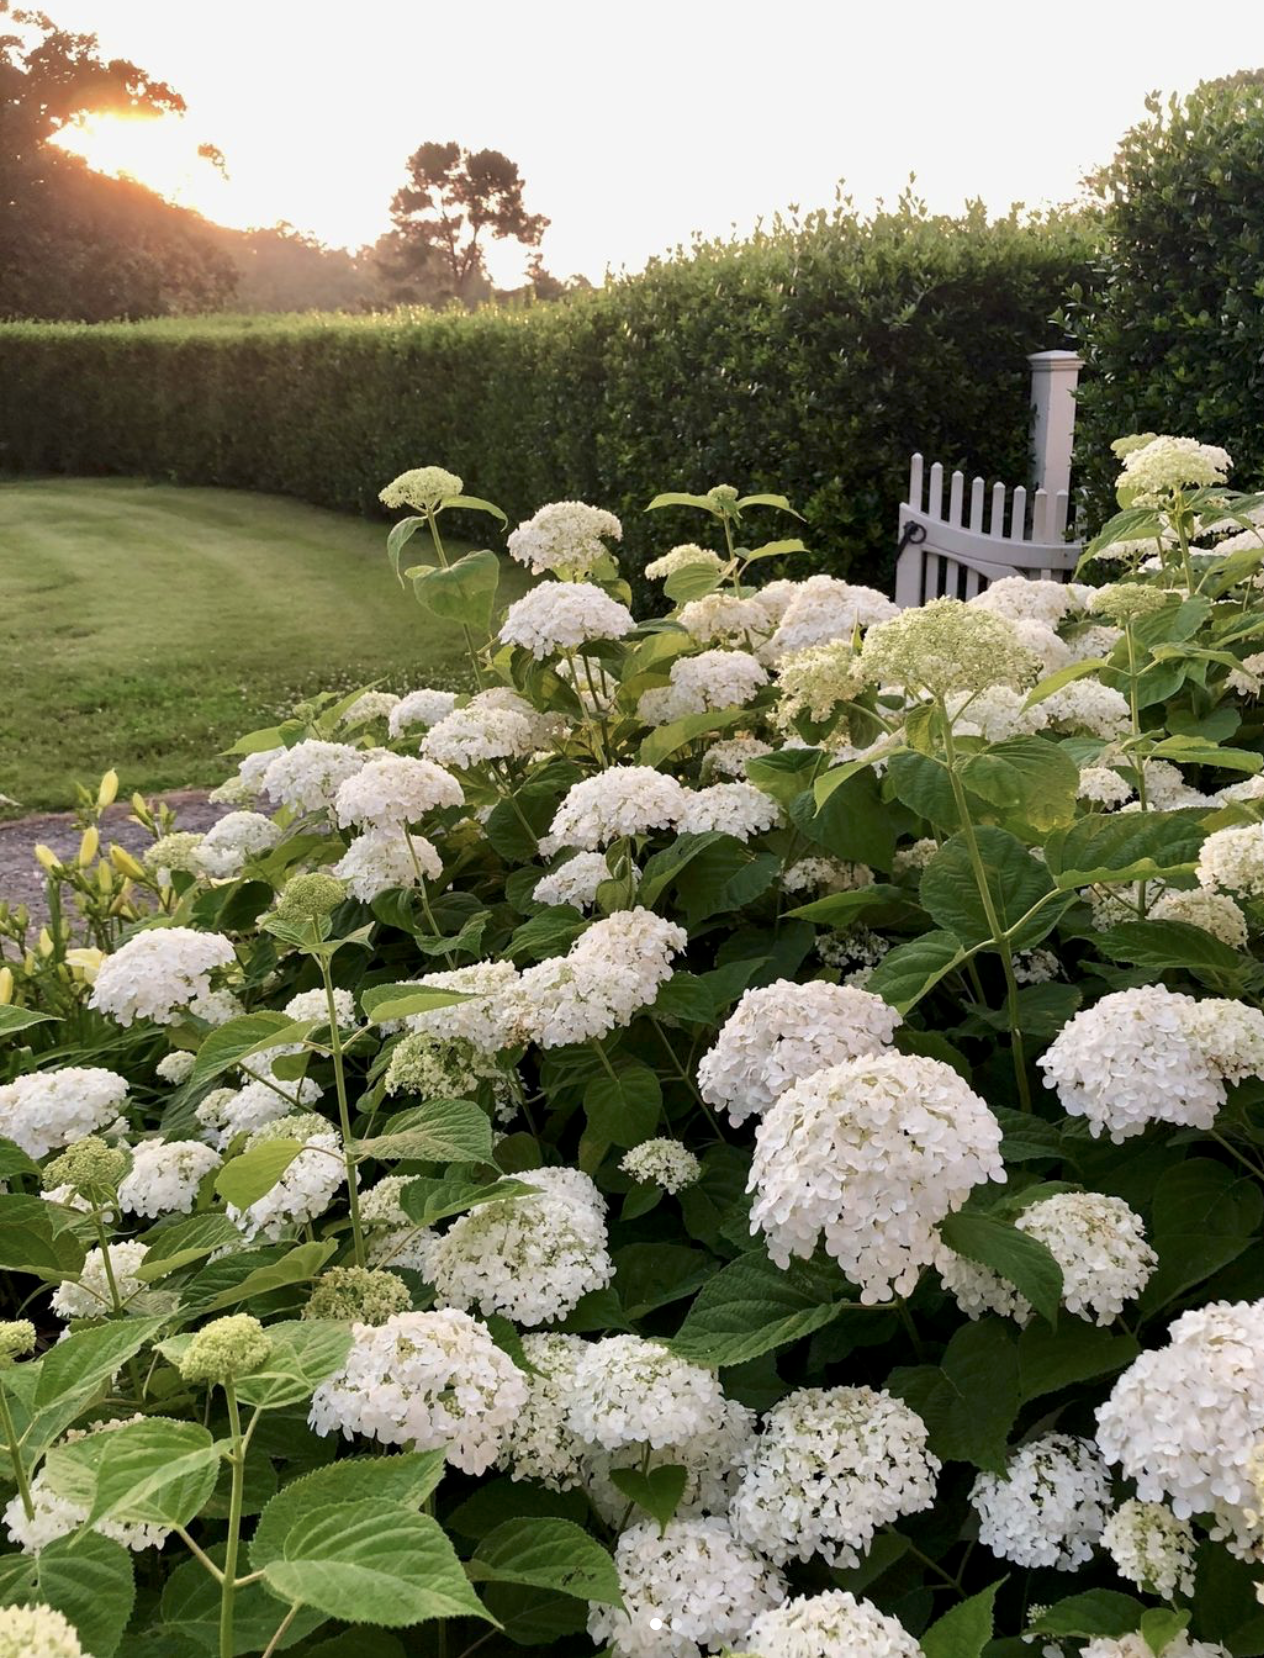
x,y
162,153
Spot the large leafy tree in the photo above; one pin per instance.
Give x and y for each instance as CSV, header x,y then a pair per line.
x,y
453,202
74,243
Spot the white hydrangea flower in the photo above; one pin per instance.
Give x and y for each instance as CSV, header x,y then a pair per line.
x,y
1103,787
1136,1646
488,1017
565,537
424,707
229,845
1151,1548
874,1154
90,1296
226,1112
306,1188
628,1391
611,971
823,609
494,725
247,783
813,681
1088,705
307,777
738,809
1093,644
1050,651
46,1110
666,1163
833,1624
911,860
1166,789
997,713
176,1067
56,1516
1036,966
562,615
575,882
623,801
37,1632
711,1459
830,1469
827,875
725,618
687,555
424,488
784,1033
529,1259
431,1381
711,679
177,852
1051,1506
1232,860
1215,912
1184,1420
382,859
538,1444
1098,1241
393,1240
388,792
1152,1055
159,973
728,757
1021,600
1165,464
370,705
165,1176
689,1590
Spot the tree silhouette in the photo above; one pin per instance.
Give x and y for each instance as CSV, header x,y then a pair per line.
x,y
453,199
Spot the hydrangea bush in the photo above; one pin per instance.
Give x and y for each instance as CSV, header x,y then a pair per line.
x,y
742,1134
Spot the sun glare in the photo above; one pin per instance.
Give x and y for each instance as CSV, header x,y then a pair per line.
x,y
158,151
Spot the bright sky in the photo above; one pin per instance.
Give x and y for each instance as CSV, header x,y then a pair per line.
x,y
635,125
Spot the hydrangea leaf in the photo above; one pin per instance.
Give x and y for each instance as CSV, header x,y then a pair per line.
x,y
407,1479
964,1630
549,1554
1021,1260
89,1580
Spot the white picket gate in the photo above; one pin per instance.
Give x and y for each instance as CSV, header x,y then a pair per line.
x,y
943,553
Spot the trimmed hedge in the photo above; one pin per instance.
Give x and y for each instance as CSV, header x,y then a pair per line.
x,y
815,356
1172,329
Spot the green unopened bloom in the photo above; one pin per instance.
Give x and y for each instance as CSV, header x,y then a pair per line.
x,y
947,646
17,1339
363,1295
37,1632
423,489
225,1349
722,496
176,851
1136,440
1124,601
310,897
90,1165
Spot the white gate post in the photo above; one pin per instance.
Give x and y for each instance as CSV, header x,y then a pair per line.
x,y
1054,375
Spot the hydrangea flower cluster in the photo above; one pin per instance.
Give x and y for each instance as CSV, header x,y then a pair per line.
x,y
160,973
1050,1509
611,970
565,538
834,1624
45,1110
561,616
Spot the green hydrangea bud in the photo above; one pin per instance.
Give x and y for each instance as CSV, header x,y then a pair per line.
x,y
309,897
225,1349
17,1339
363,1295
91,1165
723,495
1125,601
1135,440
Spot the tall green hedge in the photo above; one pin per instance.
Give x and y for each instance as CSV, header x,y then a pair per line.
x,y
814,357
1172,326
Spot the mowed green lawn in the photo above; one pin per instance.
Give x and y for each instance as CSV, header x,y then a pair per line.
x,y
145,627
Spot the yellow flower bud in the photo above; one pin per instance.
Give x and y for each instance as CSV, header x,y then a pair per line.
x,y
47,858
108,791
89,845
124,862
45,942
6,986
85,962
29,963
105,877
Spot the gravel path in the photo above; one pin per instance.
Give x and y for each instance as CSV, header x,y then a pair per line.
x,y
22,879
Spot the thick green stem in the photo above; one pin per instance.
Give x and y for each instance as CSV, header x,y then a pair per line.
x,y
344,1113
999,938
15,1454
228,1588
1136,734
432,523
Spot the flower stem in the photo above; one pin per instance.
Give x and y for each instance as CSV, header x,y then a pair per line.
x,y
228,1588
15,1454
344,1112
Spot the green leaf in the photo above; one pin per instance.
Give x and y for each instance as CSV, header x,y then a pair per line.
x,y
923,784
1160,1625
1129,846
14,1019
548,1554
298,1266
969,1401
464,593
1205,1215
1028,777
428,1201
1049,1360
657,1490
14,1161
777,501
38,1249
785,773
245,1179
229,1044
1190,751
89,1580
665,740
153,1472
78,1365
692,581
624,1108
387,1002
752,1306
187,1241
1096,1612
965,1630
400,535
841,909
907,973
1021,1260
1160,945
473,503
773,549
373,1562
1015,881
854,823
673,498
406,1479
305,1353
1062,676
440,1131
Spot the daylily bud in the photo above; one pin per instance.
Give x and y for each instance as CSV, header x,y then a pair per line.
x,y
124,862
6,986
89,845
47,858
107,793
